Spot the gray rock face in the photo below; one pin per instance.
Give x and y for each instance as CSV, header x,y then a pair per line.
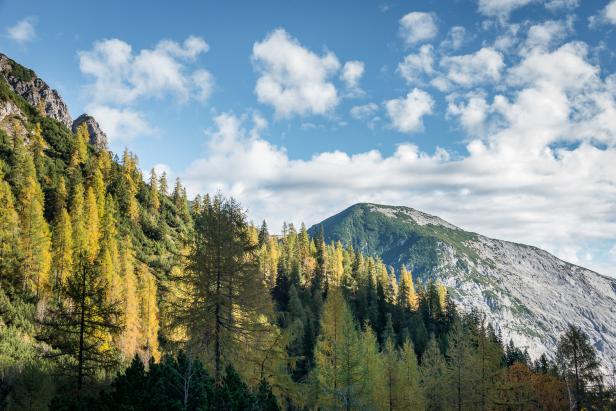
x,y
98,138
34,90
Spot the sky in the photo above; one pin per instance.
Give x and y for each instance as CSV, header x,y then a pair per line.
x,y
497,115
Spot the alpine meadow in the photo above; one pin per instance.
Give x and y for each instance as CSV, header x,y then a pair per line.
x,y
235,224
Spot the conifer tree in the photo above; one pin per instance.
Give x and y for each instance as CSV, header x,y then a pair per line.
x,y
407,297
62,250
578,361
9,234
92,225
35,235
154,191
148,310
80,325
374,377
223,294
433,371
130,335
82,138
339,369
462,378
410,395
163,185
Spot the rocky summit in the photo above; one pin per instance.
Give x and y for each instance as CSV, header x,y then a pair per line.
x,y
528,294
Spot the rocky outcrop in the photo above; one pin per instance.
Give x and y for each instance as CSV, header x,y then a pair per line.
x,y
34,90
98,138
11,117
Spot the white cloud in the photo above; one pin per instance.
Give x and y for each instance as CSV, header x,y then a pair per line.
x,y
406,113
613,251
518,167
483,66
547,34
120,124
352,71
366,112
472,113
293,79
501,8
555,5
23,31
455,38
121,76
609,12
417,27
414,66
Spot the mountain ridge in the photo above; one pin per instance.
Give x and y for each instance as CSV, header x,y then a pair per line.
x,y
527,293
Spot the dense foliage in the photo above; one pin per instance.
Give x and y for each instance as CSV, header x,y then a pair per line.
x,y
118,294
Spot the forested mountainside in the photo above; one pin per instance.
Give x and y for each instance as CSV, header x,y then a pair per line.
x,y
116,292
528,295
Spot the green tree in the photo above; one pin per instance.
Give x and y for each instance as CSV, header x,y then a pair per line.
x,y
578,363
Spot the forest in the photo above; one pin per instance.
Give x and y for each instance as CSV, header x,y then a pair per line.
x,y
118,292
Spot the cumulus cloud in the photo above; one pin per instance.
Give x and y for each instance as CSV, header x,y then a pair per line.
x,y
121,76
366,112
500,8
416,27
539,157
548,34
406,113
352,71
455,38
120,124
609,12
472,112
415,66
293,79
23,31
483,66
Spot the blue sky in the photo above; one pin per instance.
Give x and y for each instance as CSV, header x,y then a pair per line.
x,y
497,115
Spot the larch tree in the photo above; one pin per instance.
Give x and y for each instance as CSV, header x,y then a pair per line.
x,y
462,378
148,312
433,371
92,225
407,297
62,250
338,362
81,324
374,376
35,234
410,395
82,138
578,362
130,336
222,295
9,235
154,190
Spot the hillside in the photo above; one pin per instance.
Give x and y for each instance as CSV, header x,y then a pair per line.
x,y
527,293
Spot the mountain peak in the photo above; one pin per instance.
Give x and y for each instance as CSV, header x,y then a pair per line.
x,y
528,294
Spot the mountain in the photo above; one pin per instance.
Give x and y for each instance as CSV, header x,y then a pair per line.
x,y
527,293
34,95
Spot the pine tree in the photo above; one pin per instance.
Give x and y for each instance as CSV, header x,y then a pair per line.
x,y
391,360
462,377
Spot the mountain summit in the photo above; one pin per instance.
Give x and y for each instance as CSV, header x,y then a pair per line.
x,y
527,293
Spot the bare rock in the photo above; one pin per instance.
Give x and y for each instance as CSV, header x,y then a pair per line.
x,y
98,138
34,90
